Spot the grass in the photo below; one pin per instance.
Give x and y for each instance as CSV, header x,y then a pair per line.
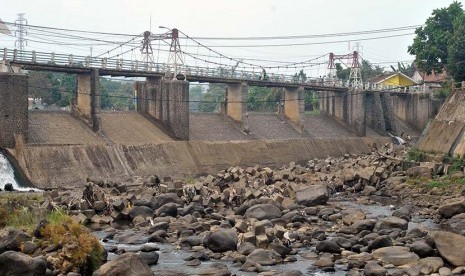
x,y
80,249
416,155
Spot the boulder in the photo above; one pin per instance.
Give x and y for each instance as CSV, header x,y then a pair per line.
x,y
246,248
396,255
312,195
450,246
451,209
128,264
374,269
418,171
221,241
160,200
8,187
328,246
19,264
130,237
168,209
264,257
14,239
391,223
263,211
150,258
142,211
422,249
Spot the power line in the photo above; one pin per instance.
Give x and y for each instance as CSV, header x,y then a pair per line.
x,y
412,27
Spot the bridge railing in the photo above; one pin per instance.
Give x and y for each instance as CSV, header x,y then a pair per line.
x,y
75,61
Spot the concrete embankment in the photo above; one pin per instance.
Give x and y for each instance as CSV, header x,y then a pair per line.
x,y
446,133
65,166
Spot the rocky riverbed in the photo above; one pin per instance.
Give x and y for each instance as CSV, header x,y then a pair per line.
x,y
372,214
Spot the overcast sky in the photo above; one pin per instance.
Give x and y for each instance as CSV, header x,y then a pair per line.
x,y
238,18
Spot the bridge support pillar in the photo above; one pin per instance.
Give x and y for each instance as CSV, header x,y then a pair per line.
x,y
294,106
346,107
13,108
174,102
86,104
236,104
380,113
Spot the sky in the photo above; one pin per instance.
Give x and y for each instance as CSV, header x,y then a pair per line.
x,y
238,18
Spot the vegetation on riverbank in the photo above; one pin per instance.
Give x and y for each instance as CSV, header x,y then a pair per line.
x,y
75,248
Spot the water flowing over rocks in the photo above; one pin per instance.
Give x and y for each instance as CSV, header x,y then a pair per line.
x,y
355,213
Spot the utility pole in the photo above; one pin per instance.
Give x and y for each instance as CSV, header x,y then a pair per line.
x,y
21,32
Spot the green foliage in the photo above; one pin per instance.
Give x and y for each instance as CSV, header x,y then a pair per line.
x,y
456,50
18,210
195,96
435,184
212,99
416,155
264,99
299,77
437,45
116,95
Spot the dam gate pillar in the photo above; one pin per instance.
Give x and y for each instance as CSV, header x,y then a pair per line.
x,y
86,103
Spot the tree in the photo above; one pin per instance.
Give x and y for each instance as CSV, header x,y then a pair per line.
x,y
212,98
433,42
195,96
299,77
367,71
456,49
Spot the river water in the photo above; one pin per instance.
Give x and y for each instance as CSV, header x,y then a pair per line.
x,y
7,175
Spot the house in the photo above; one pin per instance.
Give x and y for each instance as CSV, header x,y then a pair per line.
x,y
432,81
392,79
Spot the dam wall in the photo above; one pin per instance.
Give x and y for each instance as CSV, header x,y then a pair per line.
x,y
70,165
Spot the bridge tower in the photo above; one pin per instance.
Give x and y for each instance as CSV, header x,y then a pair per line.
x,y
355,76
146,50
175,58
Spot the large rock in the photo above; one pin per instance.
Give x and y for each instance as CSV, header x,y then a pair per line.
x,y
374,269
450,246
18,264
451,209
162,199
264,257
391,223
169,209
396,255
131,237
222,241
312,195
263,211
328,246
128,264
143,211
418,171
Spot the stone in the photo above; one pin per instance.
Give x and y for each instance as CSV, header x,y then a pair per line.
x,y
29,247
451,209
150,258
14,239
328,246
324,261
374,269
364,224
99,205
246,248
422,249
430,264
8,187
450,246
249,266
418,171
149,248
130,237
348,218
19,264
262,241
162,199
396,255
168,209
445,271
379,242
143,211
118,204
263,211
128,264
369,190
221,241
312,195
264,257
390,223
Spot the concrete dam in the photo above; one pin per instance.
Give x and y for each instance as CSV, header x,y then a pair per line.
x,y
63,149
